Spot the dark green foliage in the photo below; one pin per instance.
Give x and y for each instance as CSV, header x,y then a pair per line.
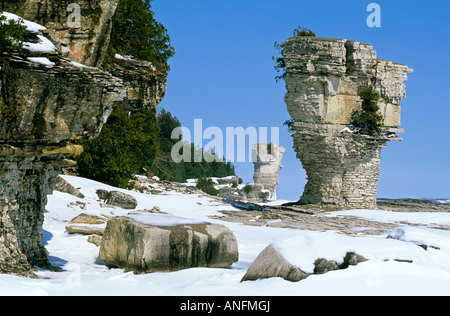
x,y
166,169
280,65
247,189
13,6
303,31
289,123
135,32
207,186
11,32
368,120
127,143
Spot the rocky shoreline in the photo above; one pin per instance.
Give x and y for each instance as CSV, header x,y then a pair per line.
x,y
316,218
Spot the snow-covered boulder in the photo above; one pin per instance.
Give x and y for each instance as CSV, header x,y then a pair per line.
x,y
159,243
270,264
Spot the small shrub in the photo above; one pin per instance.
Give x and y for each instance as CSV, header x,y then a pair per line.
x,y
207,186
304,32
11,35
367,120
248,189
280,64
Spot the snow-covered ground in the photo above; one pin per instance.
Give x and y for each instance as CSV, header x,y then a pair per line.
x,y
84,274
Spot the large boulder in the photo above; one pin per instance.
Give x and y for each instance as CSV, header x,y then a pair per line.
x,y
270,264
161,243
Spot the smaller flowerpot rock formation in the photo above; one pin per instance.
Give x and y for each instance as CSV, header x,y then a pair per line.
x,y
324,79
267,163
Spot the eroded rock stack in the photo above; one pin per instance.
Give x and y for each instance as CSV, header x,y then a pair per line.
x,y
267,164
323,80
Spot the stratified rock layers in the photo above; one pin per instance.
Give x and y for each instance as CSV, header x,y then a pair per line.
x,y
50,101
45,112
81,29
323,80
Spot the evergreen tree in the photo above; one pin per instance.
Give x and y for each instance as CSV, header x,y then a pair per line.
x,y
11,32
166,169
127,143
136,33
368,121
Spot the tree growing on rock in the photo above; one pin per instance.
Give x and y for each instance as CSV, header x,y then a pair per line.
x,y
368,120
135,32
11,31
127,143
280,65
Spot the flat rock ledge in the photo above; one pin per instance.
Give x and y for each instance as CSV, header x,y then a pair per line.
x,y
144,248
271,264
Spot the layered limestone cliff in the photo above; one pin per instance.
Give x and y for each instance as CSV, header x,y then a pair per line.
x,y
323,80
80,29
51,99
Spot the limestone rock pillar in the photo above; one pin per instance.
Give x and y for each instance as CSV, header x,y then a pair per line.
x,y
323,79
267,164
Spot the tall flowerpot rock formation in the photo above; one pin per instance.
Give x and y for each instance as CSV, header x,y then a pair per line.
x,y
323,80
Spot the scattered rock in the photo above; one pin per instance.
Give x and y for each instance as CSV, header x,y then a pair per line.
x,y
87,224
252,192
270,264
102,194
122,200
322,266
351,259
62,185
95,239
144,248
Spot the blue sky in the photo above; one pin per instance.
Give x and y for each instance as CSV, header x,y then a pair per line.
x,y
223,74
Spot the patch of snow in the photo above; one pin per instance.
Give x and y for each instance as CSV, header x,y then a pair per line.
x,y
303,250
31,26
44,44
425,218
162,220
84,274
78,65
41,60
127,57
346,130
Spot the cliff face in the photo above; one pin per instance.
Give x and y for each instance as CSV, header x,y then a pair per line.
x,y
323,80
45,111
50,100
82,37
